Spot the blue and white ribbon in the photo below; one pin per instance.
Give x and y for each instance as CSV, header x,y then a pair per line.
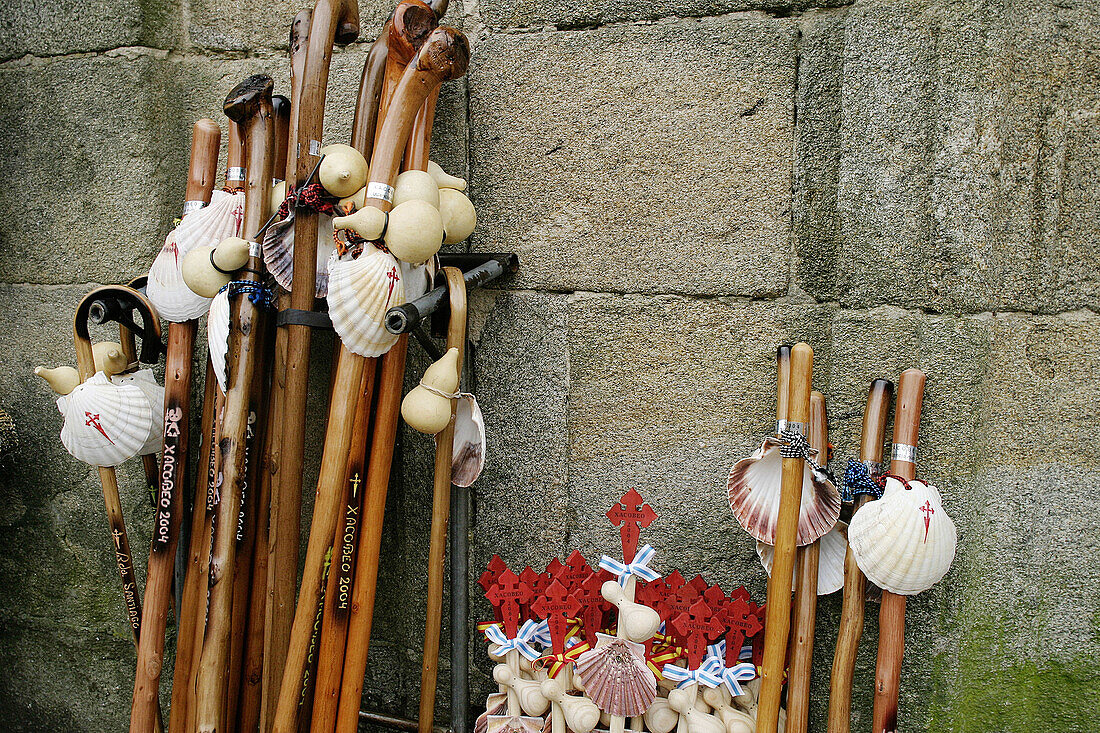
x,y
522,642
542,634
638,567
717,650
732,677
708,675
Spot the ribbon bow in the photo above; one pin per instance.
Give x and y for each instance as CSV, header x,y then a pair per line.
x,y
708,675
522,642
639,566
717,650
858,480
732,677
553,663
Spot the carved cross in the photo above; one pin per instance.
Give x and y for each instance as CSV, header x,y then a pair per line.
x,y
741,623
510,595
715,598
576,570
680,601
555,568
557,605
630,514
594,607
489,578
696,627
699,584
536,581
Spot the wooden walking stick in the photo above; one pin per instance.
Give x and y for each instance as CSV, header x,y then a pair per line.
x,y
855,583
332,21
454,44
891,615
777,625
192,622
805,595
145,708
444,56
249,105
441,507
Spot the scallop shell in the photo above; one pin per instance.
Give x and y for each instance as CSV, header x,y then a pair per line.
x,y
144,380
217,334
904,542
468,453
360,293
495,704
513,724
833,547
616,676
279,252
418,279
753,489
106,424
211,224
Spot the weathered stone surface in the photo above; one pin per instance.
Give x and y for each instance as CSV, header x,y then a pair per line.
x,y
959,153
246,27
667,170
55,27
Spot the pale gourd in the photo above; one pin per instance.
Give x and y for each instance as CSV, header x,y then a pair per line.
x,y
206,270
459,217
638,622
415,186
353,203
443,179
368,223
581,714
343,171
62,380
415,231
529,692
424,409
278,195
107,358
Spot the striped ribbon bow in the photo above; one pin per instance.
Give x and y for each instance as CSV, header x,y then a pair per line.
x,y
554,663
732,677
717,650
522,642
708,675
639,566
662,655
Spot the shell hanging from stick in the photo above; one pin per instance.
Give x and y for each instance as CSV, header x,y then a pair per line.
x,y
753,489
616,677
205,227
468,454
217,334
106,424
278,249
144,380
830,568
360,292
904,542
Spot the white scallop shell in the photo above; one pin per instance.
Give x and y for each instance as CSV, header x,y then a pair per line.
x,y
468,452
904,542
204,227
753,489
360,292
106,424
832,548
278,251
616,676
144,380
217,334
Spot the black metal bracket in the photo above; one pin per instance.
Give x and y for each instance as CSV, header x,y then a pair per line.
x,y
478,269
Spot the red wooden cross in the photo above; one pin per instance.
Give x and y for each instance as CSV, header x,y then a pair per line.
x,y
489,578
509,594
715,598
696,627
557,605
741,623
576,570
630,514
679,601
594,607
554,569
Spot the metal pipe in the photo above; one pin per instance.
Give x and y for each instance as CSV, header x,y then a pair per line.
x,y
402,318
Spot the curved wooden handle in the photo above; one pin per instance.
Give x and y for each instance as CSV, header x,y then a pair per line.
x,y
413,21
907,419
783,384
370,93
874,420
206,138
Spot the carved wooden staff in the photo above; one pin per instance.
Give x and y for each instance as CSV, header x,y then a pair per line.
x,y
192,623
441,507
891,615
145,709
444,56
778,621
249,105
332,21
855,583
805,595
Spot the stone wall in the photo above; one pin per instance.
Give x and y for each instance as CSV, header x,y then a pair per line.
x,y
688,184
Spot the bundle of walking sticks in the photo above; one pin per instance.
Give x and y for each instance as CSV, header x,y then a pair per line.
x,y
302,236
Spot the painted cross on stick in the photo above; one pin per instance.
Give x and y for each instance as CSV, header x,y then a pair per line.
x,y
509,594
696,627
594,606
630,514
740,623
557,605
